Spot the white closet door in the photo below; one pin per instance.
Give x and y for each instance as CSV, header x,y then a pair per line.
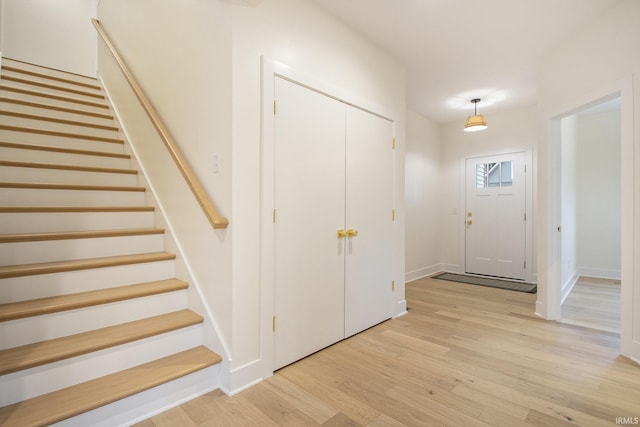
x,y
369,184
310,208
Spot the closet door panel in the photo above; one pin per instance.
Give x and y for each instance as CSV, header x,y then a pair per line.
x,y
310,208
369,194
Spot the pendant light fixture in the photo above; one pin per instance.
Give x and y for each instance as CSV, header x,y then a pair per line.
x,y
477,121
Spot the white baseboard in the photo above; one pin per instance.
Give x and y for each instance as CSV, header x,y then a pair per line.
x,y
452,268
421,272
568,287
540,311
244,377
430,271
401,308
601,273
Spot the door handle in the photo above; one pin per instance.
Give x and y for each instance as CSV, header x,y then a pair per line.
x,y
342,234
352,233
469,222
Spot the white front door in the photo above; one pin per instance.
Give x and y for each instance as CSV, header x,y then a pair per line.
x,y
369,183
310,208
495,216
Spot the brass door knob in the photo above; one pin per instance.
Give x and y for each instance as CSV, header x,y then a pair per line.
x,y
352,233
342,234
469,222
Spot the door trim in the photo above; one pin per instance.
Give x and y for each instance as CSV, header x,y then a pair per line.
x,y
263,366
530,271
549,293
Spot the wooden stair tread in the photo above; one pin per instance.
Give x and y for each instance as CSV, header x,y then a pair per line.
x,y
52,86
43,352
55,304
58,121
81,187
82,264
49,77
11,163
55,108
71,401
19,146
69,209
68,235
62,134
56,97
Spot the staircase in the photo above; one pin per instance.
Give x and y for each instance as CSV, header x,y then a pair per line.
x,y
94,328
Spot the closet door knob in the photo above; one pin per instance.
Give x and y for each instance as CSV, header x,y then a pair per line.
x,y
352,233
342,234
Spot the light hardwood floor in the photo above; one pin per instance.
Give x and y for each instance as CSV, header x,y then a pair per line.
x,y
594,303
463,356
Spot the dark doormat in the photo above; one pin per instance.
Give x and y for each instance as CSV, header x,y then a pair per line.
x,y
488,281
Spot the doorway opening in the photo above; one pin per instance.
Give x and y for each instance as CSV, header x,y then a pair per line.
x,y
591,216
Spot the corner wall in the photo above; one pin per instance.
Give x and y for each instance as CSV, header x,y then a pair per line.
x,y
422,197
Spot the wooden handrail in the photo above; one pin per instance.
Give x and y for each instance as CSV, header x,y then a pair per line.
x,y
216,220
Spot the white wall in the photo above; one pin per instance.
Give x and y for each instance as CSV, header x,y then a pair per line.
x,y
568,194
598,194
180,53
422,197
508,132
301,35
56,34
600,61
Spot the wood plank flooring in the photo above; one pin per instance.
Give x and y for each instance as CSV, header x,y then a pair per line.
x,y
464,355
594,303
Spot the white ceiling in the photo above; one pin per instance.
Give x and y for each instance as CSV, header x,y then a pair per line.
x,y
456,50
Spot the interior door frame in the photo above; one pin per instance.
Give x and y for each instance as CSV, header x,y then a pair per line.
x,y
530,271
263,367
548,305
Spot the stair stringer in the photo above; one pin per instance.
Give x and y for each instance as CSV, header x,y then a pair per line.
x,y
203,254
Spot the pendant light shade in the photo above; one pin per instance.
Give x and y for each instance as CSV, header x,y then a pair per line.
x,y
477,121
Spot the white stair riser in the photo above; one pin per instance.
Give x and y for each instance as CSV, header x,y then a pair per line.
x,y
19,253
48,71
38,197
33,382
55,114
144,405
40,156
62,176
24,288
60,141
19,332
47,81
56,92
73,221
101,108
48,125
